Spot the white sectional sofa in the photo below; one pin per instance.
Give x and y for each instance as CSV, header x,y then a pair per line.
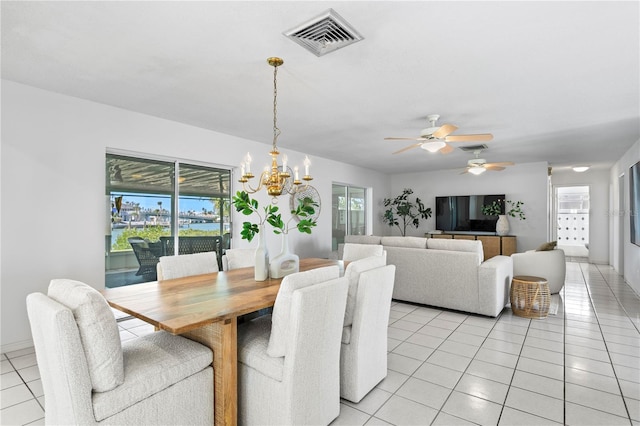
x,y
445,273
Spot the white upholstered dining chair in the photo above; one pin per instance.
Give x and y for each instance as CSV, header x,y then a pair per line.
x,y
238,258
289,362
354,251
184,265
89,377
363,356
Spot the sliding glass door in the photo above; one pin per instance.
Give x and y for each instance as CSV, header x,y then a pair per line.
x,y
348,212
158,208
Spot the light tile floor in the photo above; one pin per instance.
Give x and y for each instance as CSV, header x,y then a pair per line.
x,y
578,367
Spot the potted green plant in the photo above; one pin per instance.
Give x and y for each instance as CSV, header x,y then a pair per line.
x,y
270,215
513,209
249,206
402,212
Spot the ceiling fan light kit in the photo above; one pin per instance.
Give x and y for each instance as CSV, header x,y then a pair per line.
x,y
477,170
434,146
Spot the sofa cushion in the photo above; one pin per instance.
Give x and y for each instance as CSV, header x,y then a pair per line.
x,y
151,363
280,319
98,331
471,246
352,273
362,239
547,246
409,242
353,251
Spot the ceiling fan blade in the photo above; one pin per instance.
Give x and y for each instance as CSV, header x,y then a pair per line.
x,y
493,167
465,171
504,163
483,137
446,149
404,139
444,130
415,145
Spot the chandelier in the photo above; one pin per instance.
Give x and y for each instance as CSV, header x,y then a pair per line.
x,y
276,179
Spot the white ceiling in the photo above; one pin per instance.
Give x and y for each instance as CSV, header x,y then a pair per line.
x,y
553,81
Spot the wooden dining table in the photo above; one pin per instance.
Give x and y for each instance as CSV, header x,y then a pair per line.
x,y
205,308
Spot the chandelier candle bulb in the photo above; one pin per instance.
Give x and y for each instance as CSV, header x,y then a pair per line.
x,y
284,163
248,163
307,163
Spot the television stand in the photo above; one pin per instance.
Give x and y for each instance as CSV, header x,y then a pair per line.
x,y
492,245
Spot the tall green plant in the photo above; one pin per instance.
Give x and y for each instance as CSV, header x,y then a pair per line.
x,y
402,212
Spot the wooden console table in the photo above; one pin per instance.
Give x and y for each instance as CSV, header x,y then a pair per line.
x,y
492,245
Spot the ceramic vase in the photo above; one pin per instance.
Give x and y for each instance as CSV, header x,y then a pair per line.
x,y
261,269
284,263
502,225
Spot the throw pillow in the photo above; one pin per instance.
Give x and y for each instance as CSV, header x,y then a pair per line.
x,y
98,331
547,246
280,318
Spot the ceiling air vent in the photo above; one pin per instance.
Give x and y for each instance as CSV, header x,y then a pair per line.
x,y
472,148
324,33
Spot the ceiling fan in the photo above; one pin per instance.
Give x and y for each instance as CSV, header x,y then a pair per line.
x,y
435,138
478,165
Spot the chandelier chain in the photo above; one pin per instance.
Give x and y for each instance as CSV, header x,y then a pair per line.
x,y
276,130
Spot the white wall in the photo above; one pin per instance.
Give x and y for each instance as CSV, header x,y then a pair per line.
x,y
53,183
523,182
631,254
599,214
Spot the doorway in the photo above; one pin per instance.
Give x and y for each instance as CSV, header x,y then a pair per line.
x,y
572,220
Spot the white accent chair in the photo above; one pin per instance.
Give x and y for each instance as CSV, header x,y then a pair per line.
x,y
238,258
185,265
363,356
300,385
90,378
353,251
549,264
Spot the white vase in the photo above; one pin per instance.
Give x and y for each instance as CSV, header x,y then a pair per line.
x,y
502,225
286,262
261,269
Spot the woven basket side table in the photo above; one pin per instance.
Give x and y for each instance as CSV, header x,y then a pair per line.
x,y
530,296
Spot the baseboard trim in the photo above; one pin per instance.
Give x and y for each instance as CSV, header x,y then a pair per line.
x,y
10,347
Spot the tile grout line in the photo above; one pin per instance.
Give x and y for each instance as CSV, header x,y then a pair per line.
x,y
604,340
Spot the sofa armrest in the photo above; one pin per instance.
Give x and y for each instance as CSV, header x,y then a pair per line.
x,y
494,281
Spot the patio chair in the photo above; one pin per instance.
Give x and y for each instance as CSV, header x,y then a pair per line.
x,y
148,255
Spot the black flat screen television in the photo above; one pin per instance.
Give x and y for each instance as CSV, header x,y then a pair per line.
x,y
463,213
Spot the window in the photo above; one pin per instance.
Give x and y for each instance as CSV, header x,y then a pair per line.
x,y
153,201
349,213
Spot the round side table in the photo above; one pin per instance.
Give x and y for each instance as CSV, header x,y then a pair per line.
x,y
530,296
